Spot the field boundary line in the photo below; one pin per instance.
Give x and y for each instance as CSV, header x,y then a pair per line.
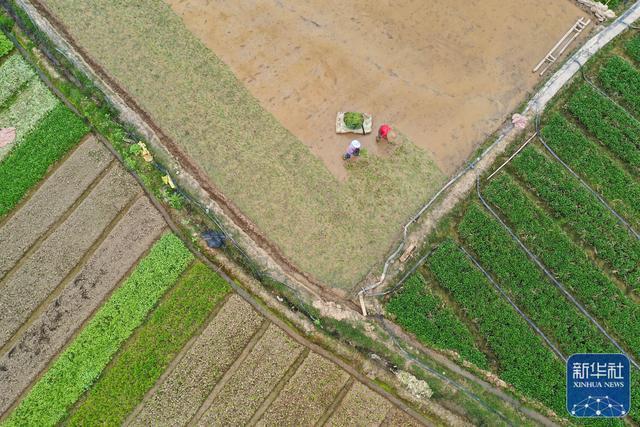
x,y
176,360
63,218
277,389
550,276
37,312
337,401
52,169
226,377
516,308
462,183
473,396
597,195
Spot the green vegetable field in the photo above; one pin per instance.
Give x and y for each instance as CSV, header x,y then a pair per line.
x,y
579,228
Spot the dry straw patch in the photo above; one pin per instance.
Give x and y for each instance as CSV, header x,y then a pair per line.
x,y
302,404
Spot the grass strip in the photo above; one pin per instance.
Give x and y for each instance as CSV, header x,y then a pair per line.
x,y
532,292
148,353
594,164
6,45
29,162
621,78
82,362
632,48
420,311
523,360
576,208
567,261
14,74
608,123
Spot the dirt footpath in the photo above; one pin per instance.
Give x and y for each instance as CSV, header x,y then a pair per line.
x,y
446,74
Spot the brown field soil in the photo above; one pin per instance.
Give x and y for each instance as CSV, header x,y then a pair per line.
x,y
335,230
252,382
50,201
446,73
399,418
299,403
360,407
43,270
128,241
178,396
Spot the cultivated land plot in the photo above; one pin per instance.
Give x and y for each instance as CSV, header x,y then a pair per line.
x,y
51,201
583,245
30,283
446,84
337,230
85,292
243,370
360,406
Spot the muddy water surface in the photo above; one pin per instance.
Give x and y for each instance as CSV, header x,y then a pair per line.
x,y
445,73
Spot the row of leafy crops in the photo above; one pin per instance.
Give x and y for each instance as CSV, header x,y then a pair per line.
x,y
419,310
148,353
573,206
6,45
611,125
622,79
522,358
45,130
568,262
632,48
528,287
28,162
85,358
594,165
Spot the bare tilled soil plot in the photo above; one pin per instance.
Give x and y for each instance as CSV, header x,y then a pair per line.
x,y
178,396
252,382
40,272
245,370
307,395
360,406
51,201
86,290
396,417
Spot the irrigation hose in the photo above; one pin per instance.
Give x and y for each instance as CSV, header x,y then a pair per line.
x,y
585,185
366,290
550,276
513,304
442,377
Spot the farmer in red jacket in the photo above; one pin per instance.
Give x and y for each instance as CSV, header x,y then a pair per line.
x,y
385,132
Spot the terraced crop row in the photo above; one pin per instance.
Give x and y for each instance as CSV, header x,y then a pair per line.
x,y
609,124
420,311
595,166
568,262
147,354
621,78
85,358
522,357
528,287
632,48
573,206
